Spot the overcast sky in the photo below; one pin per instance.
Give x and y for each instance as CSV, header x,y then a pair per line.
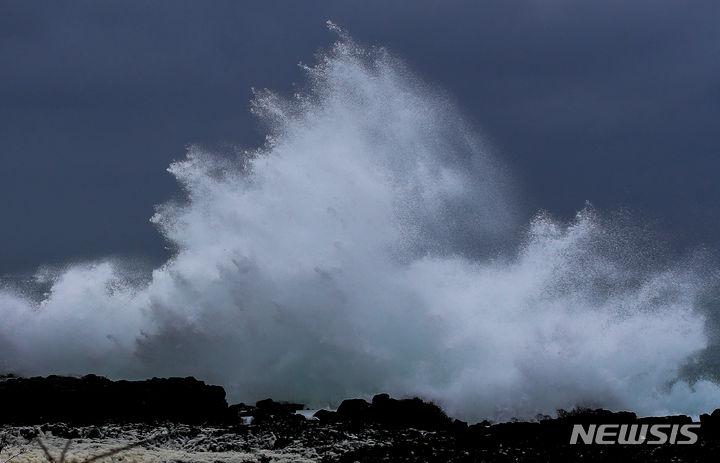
x,y
615,102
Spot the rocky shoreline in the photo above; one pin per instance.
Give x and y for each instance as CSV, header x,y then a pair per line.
x,y
185,420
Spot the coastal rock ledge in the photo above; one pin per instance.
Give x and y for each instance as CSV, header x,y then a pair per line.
x,y
186,420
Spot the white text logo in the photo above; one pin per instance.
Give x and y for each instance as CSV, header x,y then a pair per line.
x,y
635,434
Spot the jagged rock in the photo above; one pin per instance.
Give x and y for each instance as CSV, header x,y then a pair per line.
x,y
386,411
672,419
271,407
459,426
240,413
408,412
387,429
710,425
94,399
355,410
60,430
599,416
326,416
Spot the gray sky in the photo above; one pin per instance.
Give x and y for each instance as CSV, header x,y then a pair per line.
x,y
616,102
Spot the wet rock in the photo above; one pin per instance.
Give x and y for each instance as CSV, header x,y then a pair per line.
x,y
710,425
414,413
326,416
94,399
386,429
93,432
672,419
386,411
240,413
271,407
355,410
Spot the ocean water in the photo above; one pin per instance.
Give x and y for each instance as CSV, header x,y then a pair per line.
x,y
368,246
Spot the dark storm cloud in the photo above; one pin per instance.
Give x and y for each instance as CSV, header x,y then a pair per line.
x,y
614,102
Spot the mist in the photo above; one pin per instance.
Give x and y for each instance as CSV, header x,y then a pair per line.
x,y
371,245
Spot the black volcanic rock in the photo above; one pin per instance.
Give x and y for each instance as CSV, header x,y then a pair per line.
x,y
386,429
237,412
272,407
411,413
326,416
94,399
598,416
558,429
355,410
271,411
672,419
711,425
